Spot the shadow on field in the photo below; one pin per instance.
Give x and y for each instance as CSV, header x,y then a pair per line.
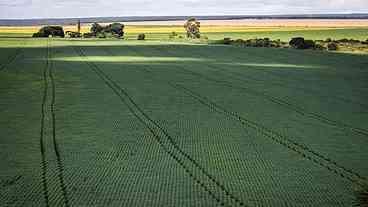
x,y
153,53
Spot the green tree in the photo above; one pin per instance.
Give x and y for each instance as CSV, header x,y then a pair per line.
x,y
96,28
192,28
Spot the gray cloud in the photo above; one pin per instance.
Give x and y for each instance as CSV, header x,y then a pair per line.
x,y
75,8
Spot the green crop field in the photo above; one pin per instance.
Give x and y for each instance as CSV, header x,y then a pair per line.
x,y
164,123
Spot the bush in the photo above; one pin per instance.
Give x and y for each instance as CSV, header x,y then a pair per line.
x,y
88,35
265,42
101,35
172,35
116,29
276,43
37,34
95,29
319,47
141,37
73,34
297,42
350,41
54,31
111,30
227,41
332,46
300,43
309,44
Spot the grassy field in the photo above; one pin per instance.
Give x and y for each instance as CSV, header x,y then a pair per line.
x,y
128,123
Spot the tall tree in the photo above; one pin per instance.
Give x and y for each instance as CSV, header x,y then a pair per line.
x,y
192,27
79,26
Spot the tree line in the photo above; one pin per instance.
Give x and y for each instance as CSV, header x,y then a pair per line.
x,y
112,30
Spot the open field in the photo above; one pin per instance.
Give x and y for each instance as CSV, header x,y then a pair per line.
x,y
157,123
244,29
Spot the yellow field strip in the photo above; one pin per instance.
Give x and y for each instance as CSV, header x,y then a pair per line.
x,y
167,29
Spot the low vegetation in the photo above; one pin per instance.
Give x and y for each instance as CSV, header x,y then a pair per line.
x,y
111,30
47,31
301,43
141,37
72,34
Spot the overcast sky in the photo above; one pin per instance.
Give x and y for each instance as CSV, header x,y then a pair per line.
x,y
10,9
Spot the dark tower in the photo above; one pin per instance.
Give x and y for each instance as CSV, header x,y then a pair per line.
x,y
79,26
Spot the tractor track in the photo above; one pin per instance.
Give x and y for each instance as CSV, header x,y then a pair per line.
x,y
12,59
55,143
302,150
48,79
176,153
281,102
42,146
236,74
298,148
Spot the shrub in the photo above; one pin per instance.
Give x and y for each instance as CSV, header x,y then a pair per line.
x,y
227,41
96,28
309,44
263,42
73,34
332,46
319,47
349,41
111,30
37,34
276,43
101,35
116,29
88,35
297,42
172,35
300,43
54,31
141,37
328,40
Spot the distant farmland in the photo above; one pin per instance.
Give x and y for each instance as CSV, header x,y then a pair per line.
x,y
245,29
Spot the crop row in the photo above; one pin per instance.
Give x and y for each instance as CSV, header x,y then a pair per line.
x,y
205,179
281,102
289,143
17,53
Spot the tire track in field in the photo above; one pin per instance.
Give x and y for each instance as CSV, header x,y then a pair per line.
x,y
279,101
55,143
48,79
42,146
236,74
301,149
172,148
12,59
